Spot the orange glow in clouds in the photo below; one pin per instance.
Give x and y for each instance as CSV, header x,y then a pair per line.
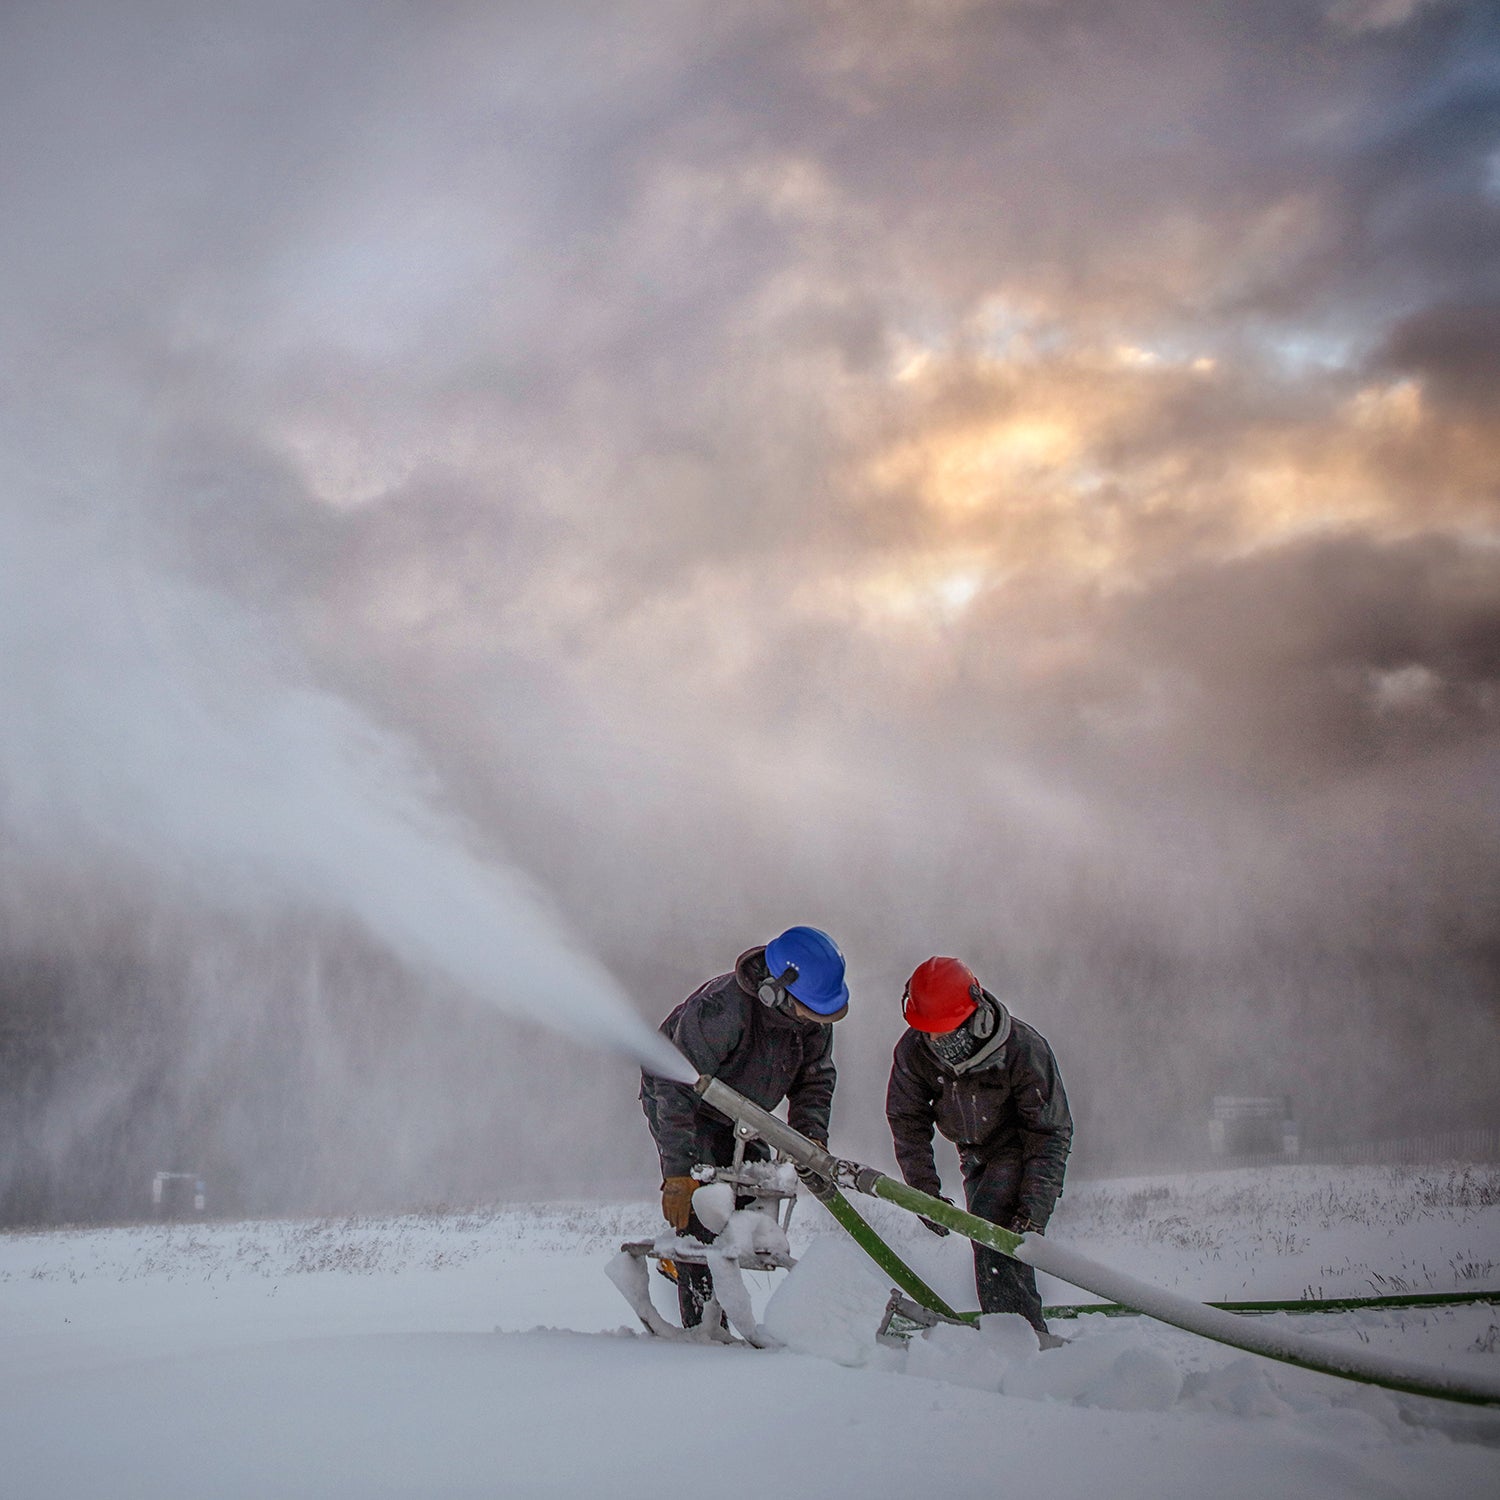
x,y
974,468
1114,462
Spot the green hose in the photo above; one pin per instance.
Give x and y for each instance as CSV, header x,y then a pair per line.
x,y
1233,1329
863,1235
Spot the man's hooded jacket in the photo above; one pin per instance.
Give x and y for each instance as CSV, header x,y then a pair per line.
x,y
1006,1103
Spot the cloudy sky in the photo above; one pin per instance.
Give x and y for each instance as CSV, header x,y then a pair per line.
x,y
1015,479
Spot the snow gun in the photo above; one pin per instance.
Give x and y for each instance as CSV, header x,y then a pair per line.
x,y
827,1175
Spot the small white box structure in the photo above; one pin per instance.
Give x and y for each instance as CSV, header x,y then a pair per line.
x,y
1242,1125
175,1194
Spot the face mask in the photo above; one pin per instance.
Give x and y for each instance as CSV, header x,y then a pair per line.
x,y
953,1047
959,1045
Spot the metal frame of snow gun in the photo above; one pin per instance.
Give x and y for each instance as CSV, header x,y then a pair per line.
x,y
1233,1329
752,1188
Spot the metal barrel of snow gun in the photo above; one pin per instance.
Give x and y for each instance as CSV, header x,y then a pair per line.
x,y
776,1133
1367,1366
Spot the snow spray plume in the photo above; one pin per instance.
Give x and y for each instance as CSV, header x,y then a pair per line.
x,y
151,723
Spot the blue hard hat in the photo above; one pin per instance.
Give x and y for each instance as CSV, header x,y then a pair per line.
x,y
819,981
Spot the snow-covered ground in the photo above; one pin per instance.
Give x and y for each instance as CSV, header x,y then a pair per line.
x,y
486,1353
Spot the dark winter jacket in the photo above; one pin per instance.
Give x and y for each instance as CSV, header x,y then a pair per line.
x,y
724,1030
1012,1107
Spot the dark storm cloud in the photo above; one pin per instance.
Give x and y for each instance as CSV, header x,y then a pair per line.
x,y
1453,345
1334,671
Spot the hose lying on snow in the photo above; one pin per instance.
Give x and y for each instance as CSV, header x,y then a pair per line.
x,y
1080,1271
1294,1305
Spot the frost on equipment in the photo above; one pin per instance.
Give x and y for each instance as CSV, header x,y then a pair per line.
x,y
750,1214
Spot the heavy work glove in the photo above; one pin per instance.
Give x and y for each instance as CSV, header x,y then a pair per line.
x,y
936,1228
677,1201
1021,1224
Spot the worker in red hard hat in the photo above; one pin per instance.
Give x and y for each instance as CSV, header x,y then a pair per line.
x,y
989,1083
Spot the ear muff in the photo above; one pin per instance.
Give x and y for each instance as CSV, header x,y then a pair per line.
x,y
985,1016
773,991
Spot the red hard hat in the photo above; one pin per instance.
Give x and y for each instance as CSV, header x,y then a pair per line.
x,y
940,995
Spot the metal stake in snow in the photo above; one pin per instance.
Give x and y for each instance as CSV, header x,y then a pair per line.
x,y
1080,1271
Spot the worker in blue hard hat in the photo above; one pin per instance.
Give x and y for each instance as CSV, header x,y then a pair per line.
x,y
766,1030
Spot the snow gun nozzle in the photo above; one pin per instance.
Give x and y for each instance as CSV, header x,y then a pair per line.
x,y
816,1164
